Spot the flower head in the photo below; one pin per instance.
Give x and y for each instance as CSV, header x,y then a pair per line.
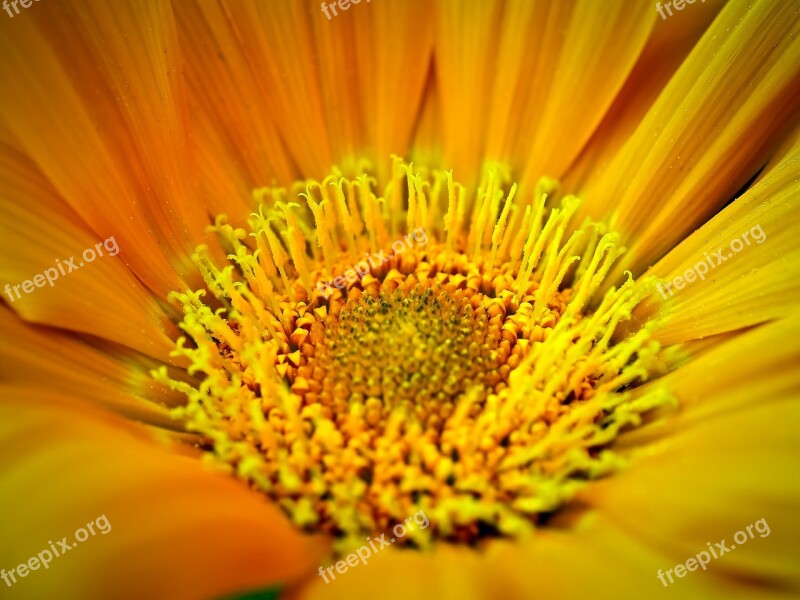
x,y
548,352
472,377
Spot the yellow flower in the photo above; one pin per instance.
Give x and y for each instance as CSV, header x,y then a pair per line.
x,y
410,299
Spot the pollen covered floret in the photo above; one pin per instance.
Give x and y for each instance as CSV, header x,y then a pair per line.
x,y
474,377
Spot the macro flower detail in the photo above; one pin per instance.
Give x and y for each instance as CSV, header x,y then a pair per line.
x,y
488,299
474,378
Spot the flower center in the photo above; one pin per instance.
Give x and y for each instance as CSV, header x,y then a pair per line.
x,y
473,378
418,349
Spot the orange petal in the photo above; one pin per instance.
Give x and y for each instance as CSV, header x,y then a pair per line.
x,y
114,144
592,559
276,38
53,361
174,529
237,143
38,232
383,95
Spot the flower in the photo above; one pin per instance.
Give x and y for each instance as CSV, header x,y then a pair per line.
x,y
473,262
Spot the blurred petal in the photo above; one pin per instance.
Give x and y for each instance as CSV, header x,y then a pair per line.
x,y
596,558
728,459
754,368
177,531
705,484
446,572
592,559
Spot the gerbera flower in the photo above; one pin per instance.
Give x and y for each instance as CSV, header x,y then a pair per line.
x,y
450,300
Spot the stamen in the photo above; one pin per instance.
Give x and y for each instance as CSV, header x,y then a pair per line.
x,y
473,376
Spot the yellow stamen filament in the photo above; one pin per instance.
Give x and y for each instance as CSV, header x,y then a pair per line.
x,y
473,376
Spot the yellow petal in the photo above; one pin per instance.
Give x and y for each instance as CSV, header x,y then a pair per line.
x,y
714,125
172,529
757,238
598,558
670,42
534,69
726,461
713,480
752,369
584,82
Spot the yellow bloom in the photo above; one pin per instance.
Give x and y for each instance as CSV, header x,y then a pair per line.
x,y
450,300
